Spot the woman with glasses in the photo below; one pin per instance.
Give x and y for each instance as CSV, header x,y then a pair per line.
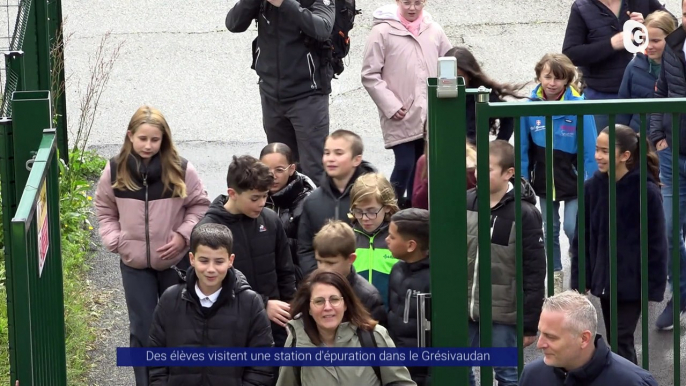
x,y
372,203
326,313
287,194
402,51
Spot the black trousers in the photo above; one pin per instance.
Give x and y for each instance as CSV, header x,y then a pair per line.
x,y
303,125
628,313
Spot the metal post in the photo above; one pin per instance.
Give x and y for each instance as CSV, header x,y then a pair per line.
x,y
58,85
448,197
42,44
31,114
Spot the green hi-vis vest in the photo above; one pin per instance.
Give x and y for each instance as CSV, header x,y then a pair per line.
x,y
374,261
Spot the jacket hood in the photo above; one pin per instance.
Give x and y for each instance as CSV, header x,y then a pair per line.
x,y
233,284
219,213
299,185
528,194
389,14
571,94
328,186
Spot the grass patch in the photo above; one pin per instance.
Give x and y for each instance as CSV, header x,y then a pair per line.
x,y
76,182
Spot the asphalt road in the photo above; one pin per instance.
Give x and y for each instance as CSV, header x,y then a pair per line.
x,y
179,57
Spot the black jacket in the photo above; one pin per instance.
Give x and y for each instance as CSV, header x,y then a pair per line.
x,y
504,259
671,84
288,68
638,82
326,202
590,28
236,319
261,249
369,296
288,205
406,281
629,236
605,368
506,124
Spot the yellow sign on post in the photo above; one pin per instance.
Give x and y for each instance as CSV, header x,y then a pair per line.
x,y
42,218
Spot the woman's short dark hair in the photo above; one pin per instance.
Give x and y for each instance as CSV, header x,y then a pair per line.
x,y
355,312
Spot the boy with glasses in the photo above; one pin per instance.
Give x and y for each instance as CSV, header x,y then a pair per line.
x,y
373,202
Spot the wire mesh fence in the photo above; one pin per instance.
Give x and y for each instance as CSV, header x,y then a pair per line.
x,y
14,15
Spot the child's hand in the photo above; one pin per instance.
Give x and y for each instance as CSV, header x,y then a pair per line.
x,y
528,340
172,248
278,312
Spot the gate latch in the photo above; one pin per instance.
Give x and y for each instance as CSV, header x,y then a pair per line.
x,y
30,161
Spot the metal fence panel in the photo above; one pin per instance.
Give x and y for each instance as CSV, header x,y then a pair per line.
x,y
37,271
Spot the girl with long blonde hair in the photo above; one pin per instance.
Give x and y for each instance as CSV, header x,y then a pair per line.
x,y
148,200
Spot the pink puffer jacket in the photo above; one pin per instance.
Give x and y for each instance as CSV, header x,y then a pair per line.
x,y
122,217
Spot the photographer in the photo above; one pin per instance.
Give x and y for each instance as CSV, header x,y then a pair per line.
x,y
295,81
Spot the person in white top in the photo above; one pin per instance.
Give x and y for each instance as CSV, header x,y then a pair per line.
x,y
214,308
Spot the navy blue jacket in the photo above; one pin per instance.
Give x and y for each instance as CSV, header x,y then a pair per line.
x,y
605,368
637,83
671,84
590,28
629,237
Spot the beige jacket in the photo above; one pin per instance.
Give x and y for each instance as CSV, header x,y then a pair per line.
x,y
342,376
395,70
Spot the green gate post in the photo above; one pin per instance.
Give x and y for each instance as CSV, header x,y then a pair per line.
x,y
9,205
31,114
42,44
28,43
448,227
58,85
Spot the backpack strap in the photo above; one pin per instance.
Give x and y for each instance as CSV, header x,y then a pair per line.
x,y
296,369
367,340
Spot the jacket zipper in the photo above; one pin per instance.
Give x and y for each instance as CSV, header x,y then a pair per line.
x,y
147,220
371,257
205,340
247,243
257,58
475,277
312,68
278,64
406,313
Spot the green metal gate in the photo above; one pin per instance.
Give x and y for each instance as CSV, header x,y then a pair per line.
x,y
39,345
447,171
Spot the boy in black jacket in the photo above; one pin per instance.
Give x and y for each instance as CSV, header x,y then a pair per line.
x,y
343,164
408,241
215,299
334,248
503,258
261,245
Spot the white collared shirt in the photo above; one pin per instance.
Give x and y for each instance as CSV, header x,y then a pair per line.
x,y
205,300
